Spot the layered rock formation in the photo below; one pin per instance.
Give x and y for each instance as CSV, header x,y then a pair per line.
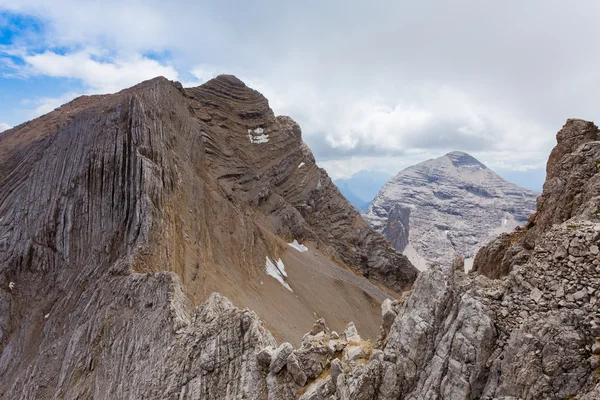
x,y
121,213
450,205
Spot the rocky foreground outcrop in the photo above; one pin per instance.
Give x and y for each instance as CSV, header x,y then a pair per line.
x,y
457,336
446,206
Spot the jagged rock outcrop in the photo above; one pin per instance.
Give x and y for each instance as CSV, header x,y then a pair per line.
x,y
119,214
450,205
133,338
572,189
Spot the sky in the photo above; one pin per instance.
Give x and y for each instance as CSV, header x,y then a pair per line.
x,y
377,85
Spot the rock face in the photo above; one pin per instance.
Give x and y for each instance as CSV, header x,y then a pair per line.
x,y
571,190
119,214
446,206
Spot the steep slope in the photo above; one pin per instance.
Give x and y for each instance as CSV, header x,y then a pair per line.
x,y
446,206
118,212
533,334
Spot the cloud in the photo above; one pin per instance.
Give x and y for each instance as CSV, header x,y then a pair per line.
x,y
97,74
43,105
4,126
390,81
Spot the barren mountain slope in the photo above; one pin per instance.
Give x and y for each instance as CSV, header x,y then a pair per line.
x,y
102,195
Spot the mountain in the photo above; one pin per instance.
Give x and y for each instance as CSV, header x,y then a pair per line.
x,y
357,202
362,187
449,205
122,214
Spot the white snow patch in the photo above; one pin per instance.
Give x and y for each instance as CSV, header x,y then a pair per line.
x,y
504,221
46,316
300,247
277,272
11,285
301,165
258,139
257,135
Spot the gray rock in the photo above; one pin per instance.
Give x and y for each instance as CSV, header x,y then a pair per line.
x,y
264,356
453,204
388,313
280,356
294,369
336,369
536,295
350,333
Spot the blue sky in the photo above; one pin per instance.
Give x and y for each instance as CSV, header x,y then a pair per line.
x,y
374,85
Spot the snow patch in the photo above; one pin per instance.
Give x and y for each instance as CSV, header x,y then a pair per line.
x,y
11,285
257,136
277,272
300,247
301,165
46,316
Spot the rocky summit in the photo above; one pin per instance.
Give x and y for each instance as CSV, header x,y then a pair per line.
x,y
447,206
122,216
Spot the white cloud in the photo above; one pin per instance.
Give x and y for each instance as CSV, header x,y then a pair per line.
x,y
97,75
44,105
4,126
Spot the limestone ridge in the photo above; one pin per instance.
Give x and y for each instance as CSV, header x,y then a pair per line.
x,y
446,206
119,212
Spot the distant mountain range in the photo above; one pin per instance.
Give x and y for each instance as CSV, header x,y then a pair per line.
x,y
362,187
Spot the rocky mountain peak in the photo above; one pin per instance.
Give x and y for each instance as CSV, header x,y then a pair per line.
x,y
464,160
445,206
119,216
